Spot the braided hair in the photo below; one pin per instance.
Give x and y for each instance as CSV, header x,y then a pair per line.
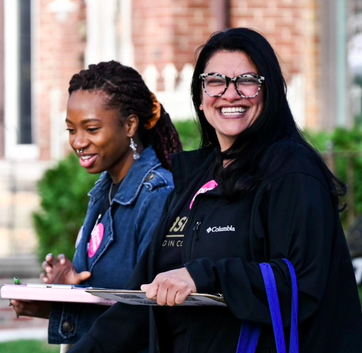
x,y
128,93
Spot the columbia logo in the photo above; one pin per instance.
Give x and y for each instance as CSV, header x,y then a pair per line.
x,y
220,229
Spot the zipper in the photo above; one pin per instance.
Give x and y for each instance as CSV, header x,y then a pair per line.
x,y
195,237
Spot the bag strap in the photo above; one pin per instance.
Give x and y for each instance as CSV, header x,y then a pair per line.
x,y
250,332
294,335
249,337
274,306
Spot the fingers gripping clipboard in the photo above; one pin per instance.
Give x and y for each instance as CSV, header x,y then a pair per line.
x,y
138,297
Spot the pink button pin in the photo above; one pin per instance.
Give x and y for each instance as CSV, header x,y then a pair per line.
x,y
210,185
96,239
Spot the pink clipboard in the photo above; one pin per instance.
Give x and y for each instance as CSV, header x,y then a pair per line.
x,y
52,293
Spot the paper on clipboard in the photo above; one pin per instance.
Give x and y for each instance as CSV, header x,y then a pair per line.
x,y
138,297
53,293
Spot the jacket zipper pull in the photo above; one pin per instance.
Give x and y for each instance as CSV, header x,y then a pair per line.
x,y
196,228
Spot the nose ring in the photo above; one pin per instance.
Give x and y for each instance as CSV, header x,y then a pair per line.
x,y
80,151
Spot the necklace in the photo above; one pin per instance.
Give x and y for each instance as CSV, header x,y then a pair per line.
x,y
113,191
110,193
105,207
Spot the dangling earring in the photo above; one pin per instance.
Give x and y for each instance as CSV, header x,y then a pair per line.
x,y
133,147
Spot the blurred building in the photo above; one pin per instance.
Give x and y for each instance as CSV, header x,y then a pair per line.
x,y
44,42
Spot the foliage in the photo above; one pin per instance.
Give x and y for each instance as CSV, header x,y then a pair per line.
x,y
189,134
342,150
63,192
26,346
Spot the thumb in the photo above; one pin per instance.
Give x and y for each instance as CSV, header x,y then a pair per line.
x,y
144,287
83,276
151,290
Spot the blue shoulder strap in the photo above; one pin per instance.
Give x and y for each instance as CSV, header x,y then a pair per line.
x,y
294,336
249,337
250,332
274,306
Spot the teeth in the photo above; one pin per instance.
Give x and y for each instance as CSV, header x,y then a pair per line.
x,y
86,157
232,110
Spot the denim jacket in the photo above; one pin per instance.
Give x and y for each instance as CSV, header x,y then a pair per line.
x,y
129,224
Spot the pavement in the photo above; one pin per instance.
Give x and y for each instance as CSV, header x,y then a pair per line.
x,y
13,329
8,335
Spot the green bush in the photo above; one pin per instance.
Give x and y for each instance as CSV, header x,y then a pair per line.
x,y
63,193
342,150
189,134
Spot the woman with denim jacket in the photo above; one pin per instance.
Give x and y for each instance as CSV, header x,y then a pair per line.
x,y
117,128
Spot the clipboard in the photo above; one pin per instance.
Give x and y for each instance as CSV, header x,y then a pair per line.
x,y
101,296
138,297
52,293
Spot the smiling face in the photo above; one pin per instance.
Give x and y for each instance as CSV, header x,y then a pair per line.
x,y
98,132
231,114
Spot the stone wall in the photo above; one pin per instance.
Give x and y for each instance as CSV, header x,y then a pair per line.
x,y
18,199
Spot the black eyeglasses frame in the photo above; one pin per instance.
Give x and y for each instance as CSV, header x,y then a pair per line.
x,y
203,76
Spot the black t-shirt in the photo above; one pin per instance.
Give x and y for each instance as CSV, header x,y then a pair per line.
x,y
172,322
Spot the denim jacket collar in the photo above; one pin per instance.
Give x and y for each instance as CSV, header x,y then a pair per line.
x,y
132,183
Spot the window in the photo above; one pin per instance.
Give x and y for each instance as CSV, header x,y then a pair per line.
x,y
18,107
24,62
355,57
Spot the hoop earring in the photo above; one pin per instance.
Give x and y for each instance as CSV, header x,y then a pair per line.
x,y
133,147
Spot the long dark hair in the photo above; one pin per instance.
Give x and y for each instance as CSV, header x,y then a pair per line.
x,y
275,124
128,93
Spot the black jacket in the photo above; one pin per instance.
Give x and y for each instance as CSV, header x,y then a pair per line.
x,y
292,215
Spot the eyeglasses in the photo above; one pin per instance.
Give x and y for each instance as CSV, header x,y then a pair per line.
x,y
247,86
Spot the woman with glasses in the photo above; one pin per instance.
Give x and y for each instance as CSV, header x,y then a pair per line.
x,y
255,192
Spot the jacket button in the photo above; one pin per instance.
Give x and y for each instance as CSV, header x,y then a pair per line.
x,y
150,177
68,326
